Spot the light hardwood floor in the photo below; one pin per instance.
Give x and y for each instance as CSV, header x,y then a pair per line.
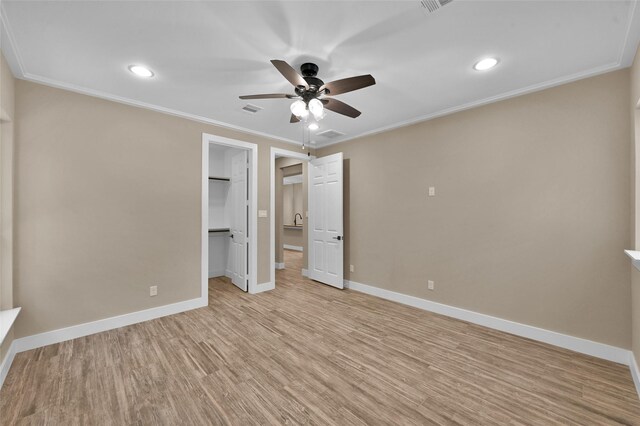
x,y
306,353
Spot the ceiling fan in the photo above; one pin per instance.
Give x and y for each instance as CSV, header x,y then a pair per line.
x,y
309,88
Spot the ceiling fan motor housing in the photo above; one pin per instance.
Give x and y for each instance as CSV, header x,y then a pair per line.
x,y
309,72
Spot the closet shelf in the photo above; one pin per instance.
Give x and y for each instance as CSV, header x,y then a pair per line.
x,y
220,178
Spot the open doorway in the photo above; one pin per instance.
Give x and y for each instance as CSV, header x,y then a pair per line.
x,y
291,207
289,200
323,238
229,216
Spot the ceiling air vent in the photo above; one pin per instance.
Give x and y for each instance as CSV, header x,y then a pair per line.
x,y
251,108
330,134
433,5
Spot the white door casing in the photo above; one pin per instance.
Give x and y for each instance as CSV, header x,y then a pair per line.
x,y
326,237
238,221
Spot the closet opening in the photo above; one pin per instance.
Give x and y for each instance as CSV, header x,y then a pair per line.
x,y
229,214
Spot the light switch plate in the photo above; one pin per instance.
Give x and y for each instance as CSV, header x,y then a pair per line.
x,y
262,213
432,191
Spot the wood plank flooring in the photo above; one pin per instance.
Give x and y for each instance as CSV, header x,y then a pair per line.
x,y
306,353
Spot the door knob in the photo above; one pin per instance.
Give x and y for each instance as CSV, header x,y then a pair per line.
x,y
339,238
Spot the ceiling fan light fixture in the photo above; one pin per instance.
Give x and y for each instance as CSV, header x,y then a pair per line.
x,y
313,126
485,64
316,108
299,109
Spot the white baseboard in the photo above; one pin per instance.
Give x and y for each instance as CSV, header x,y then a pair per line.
x,y
218,273
577,344
305,273
294,248
280,265
264,287
635,372
80,330
6,362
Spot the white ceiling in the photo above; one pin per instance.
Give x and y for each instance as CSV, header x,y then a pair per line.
x,y
205,54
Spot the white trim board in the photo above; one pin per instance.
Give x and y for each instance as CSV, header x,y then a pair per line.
x,y
73,332
294,248
588,347
6,363
635,372
218,273
264,287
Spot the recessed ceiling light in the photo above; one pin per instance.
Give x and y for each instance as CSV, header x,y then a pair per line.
x,y
313,126
141,71
485,64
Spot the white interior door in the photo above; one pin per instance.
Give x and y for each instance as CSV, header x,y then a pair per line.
x,y
326,238
238,221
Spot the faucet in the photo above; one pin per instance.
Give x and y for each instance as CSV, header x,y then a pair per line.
x,y
295,219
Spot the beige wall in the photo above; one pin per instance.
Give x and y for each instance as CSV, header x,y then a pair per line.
x,y
292,198
7,117
531,213
292,203
293,237
108,201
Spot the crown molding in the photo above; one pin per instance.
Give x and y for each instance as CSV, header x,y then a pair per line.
x,y
8,45
157,108
486,101
631,38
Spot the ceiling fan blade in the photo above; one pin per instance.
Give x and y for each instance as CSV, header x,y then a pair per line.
x,y
348,84
340,107
293,119
268,96
289,73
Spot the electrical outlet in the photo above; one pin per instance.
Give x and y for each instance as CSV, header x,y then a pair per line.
x,y
262,213
432,191
153,290
352,268
431,285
